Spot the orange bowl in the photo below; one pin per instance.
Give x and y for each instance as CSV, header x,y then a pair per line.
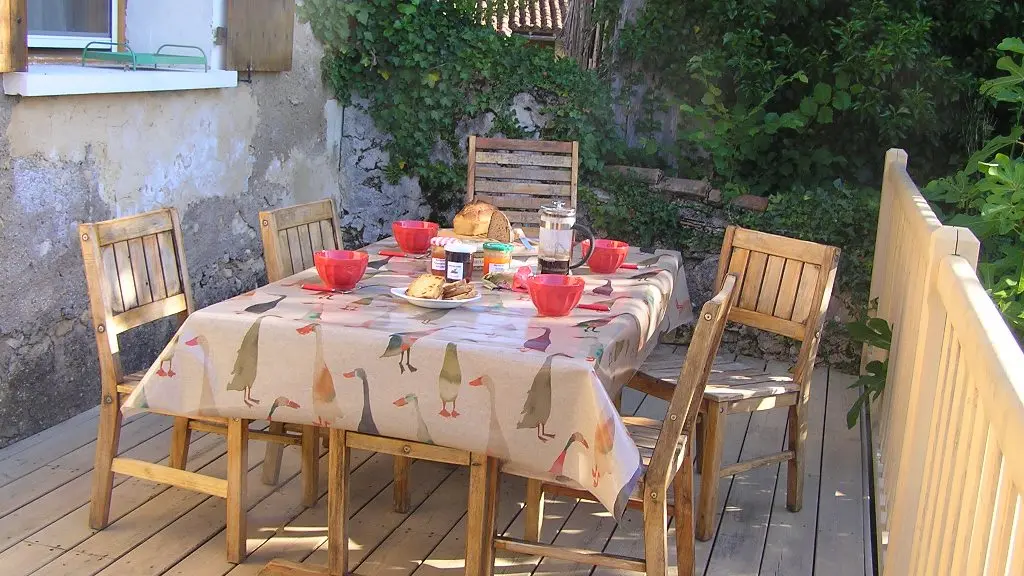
x,y
555,294
608,255
414,236
340,269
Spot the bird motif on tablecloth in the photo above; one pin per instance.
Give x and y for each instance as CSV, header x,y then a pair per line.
x,y
649,261
400,344
644,276
593,325
611,301
422,432
429,315
604,440
537,408
539,343
449,381
200,346
243,375
596,350
366,423
167,357
281,402
325,409
559,464
496,444
264,307
604,289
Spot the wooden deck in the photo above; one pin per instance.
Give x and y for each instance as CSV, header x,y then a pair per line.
x,y
45,484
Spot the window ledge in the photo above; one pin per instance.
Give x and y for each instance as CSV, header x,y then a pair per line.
x,y
57,80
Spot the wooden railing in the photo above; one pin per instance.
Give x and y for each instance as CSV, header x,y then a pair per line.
x,y
948,432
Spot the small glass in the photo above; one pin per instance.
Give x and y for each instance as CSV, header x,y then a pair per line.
x,y
497,257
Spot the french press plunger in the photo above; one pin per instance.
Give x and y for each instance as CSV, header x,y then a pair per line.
x,y
557,223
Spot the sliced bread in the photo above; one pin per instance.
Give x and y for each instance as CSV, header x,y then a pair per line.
x,y
499,229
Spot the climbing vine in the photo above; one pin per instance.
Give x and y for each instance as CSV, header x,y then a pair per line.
x,y
424,66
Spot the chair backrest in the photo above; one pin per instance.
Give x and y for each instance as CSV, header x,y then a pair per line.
x,y
135,273
292,234
519,176
784,286
693,378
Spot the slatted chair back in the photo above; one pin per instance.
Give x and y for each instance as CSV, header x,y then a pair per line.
x,y
784,286
135,274
519,176
689,390
292,234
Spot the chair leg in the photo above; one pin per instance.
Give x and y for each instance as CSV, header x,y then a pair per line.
x,y
107,438
714,437
272,459
238,470
682,486
181,436
337,504
534,509
476,515
795,470
656,533
402,495
310,466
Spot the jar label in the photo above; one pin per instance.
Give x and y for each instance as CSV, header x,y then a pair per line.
x,y
437,264
455,271
496,268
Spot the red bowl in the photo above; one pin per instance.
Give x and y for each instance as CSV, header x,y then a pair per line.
x,y
608,255
340,269
414,235
555,294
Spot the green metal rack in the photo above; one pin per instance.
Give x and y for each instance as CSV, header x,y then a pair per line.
x,y
134,60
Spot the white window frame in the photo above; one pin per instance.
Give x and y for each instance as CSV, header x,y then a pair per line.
x,y
55,41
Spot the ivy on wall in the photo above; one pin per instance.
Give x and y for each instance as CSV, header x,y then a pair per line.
x,y
425,66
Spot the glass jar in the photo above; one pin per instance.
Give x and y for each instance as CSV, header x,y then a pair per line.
x,y
497,257
437,255
459,261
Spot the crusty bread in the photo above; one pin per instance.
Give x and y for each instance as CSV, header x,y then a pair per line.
x,y
500,229
452,290
473,219
426,286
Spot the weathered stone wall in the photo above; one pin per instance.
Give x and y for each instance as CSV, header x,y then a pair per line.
x,y
218,156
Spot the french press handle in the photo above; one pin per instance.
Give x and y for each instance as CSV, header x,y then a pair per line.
x,y
590,245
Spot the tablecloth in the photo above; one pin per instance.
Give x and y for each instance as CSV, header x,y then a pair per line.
x,y
490,376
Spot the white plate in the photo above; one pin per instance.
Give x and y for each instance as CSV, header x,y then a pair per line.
x,y
436,304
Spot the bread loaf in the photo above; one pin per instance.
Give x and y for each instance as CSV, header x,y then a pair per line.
x,y
500,229
473,219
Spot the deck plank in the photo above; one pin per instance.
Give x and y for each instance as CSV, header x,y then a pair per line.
x,y
74,464
787,552
840,510
48,444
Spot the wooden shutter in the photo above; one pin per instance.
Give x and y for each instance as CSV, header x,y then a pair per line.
x,y
260,35
13,35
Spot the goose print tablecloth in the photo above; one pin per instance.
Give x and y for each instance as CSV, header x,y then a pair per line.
x,y
492,376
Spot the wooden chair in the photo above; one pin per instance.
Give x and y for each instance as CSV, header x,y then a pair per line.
x,y
290,237
668,464
519,176
135,274
784,287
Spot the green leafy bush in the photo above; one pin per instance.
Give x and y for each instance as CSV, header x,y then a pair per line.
x,y
987,196
426,65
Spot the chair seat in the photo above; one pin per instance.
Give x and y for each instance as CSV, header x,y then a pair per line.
x,y
729,381
644,432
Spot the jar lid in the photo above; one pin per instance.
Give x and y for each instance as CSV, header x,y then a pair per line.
x,y
460,248
497,246
443,240
558,209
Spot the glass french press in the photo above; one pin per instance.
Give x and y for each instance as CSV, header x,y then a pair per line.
x,y
557,223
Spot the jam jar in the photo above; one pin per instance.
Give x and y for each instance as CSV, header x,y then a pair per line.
x,y
459,261
497,257
438,265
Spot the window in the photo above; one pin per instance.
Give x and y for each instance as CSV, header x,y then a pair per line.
x,y
71,23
